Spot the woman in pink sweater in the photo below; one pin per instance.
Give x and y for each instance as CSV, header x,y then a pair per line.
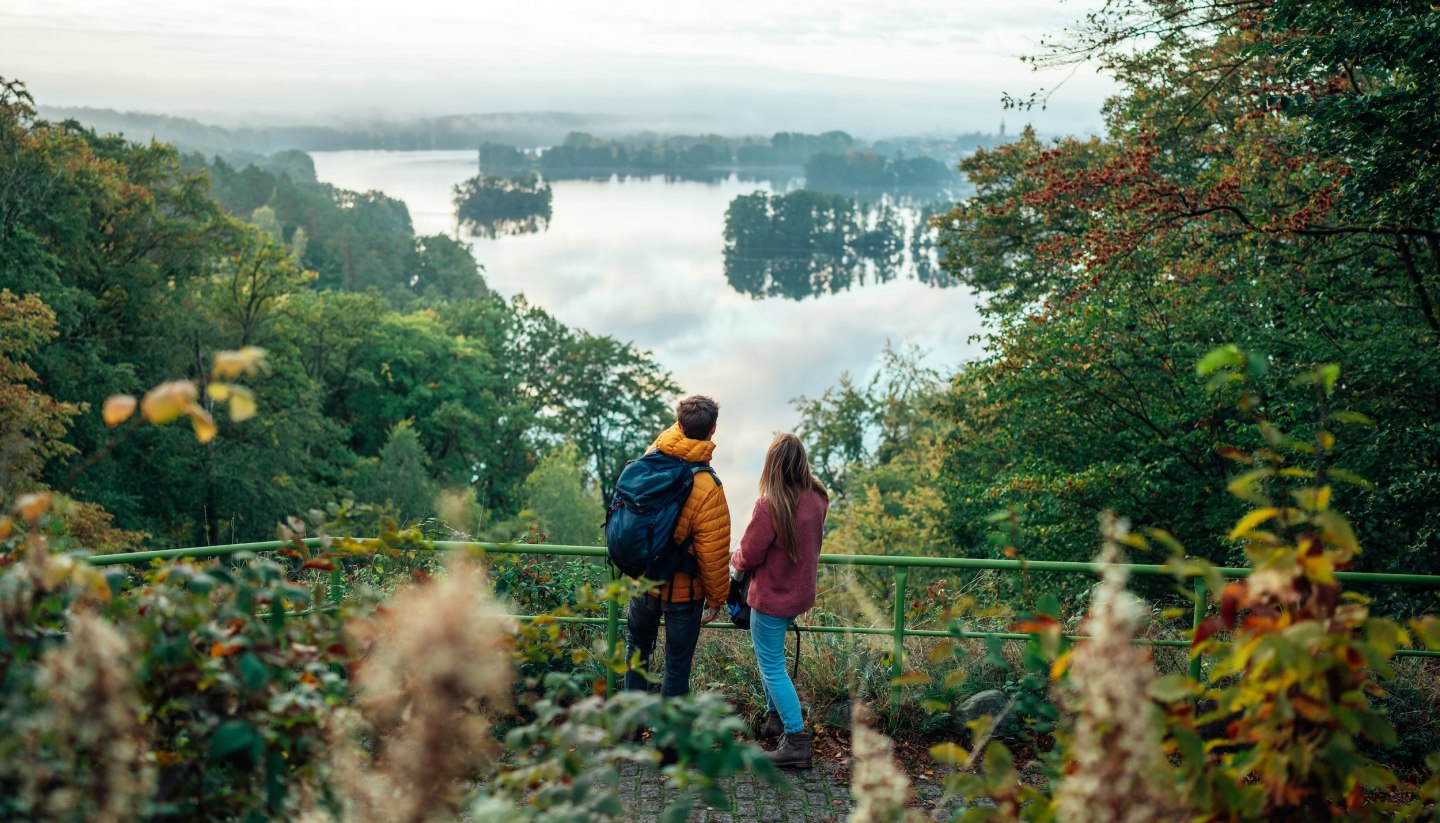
x,y
781,550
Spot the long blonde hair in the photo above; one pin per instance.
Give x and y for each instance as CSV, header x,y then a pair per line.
x,y
785,476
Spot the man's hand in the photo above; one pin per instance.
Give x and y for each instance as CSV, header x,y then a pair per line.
x,y
711,616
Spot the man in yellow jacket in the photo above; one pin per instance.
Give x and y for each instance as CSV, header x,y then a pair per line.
x,y
705,517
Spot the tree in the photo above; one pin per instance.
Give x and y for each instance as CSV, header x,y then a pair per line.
x,y
399,477
447,270
493,206
603,395
32,424
1211,210
560,492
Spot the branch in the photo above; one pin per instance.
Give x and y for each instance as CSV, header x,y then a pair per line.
x,y
1402,244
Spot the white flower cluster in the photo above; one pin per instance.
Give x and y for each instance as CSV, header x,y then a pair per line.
x,y
880,789
1119,771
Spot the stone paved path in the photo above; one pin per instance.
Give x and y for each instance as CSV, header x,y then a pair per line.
x,y
817,795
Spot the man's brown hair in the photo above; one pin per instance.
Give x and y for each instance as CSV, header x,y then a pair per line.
x,y
697,414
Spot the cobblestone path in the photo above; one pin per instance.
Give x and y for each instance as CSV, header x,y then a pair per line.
x,y
810,795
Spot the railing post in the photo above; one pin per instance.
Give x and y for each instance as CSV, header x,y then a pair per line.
x,y
612,632
336,592
1195,621
897,653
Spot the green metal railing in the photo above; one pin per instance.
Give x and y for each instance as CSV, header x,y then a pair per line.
x,y
900,569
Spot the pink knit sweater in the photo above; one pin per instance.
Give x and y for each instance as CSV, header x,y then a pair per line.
x,y
779,586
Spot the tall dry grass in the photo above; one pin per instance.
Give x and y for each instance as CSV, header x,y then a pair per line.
x,y
435,672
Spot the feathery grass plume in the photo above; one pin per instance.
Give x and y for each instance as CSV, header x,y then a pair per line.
x,y
1118,771
438,665
880,789
89,760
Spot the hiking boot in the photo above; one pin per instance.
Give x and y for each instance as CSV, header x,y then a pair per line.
x,y
794,751
772,728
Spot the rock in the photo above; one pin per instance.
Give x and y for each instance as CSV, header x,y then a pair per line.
x,y
837,715
991,703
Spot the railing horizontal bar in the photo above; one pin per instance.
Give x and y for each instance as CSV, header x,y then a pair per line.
x,y
530,618
893,561
966,635
137,558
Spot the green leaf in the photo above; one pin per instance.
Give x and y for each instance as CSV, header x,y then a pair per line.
x,y
1352,417
1172,688
1323,376
232,736
1225,357
609,804
1427,628
677,812
950,754
1247,486
1349,477
715,797
253,672
997,759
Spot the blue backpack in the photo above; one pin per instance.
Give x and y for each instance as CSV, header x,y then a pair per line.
x,y
640,525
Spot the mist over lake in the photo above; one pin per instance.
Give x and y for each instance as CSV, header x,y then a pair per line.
x,y
641,259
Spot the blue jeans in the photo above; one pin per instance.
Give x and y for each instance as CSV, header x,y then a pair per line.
x,y
682,631
768,636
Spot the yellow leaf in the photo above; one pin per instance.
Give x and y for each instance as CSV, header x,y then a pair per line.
x,y
242,404
942,650
117,409
1057,669
1327,440
1248,523
956,678
950,754
1336,531
233,363
1318,568
31,506
168,401
57,570
911,679
204,426
1247,485
218,391
99,586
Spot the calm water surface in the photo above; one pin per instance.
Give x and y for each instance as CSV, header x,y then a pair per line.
x,y
641,260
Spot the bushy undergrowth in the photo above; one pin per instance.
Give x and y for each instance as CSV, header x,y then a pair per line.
x,y
364,680
309,686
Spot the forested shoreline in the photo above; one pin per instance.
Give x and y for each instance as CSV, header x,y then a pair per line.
x,y
1210,338
394,374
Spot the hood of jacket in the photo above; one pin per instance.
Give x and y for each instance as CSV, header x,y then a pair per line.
x,y
673,442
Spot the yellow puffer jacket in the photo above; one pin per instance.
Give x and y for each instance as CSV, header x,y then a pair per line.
x,y
706,517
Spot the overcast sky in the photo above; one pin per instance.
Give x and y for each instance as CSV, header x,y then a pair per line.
x,y
874,68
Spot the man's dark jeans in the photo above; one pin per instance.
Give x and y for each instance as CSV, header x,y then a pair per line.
x,y
682,631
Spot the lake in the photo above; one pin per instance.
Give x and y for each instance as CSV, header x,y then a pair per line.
x,y
641,259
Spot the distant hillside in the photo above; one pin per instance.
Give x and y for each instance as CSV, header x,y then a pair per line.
x,y
448,132
525,130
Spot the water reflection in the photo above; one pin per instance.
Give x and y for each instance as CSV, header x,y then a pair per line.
x,y
808,243
489,206
641,259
